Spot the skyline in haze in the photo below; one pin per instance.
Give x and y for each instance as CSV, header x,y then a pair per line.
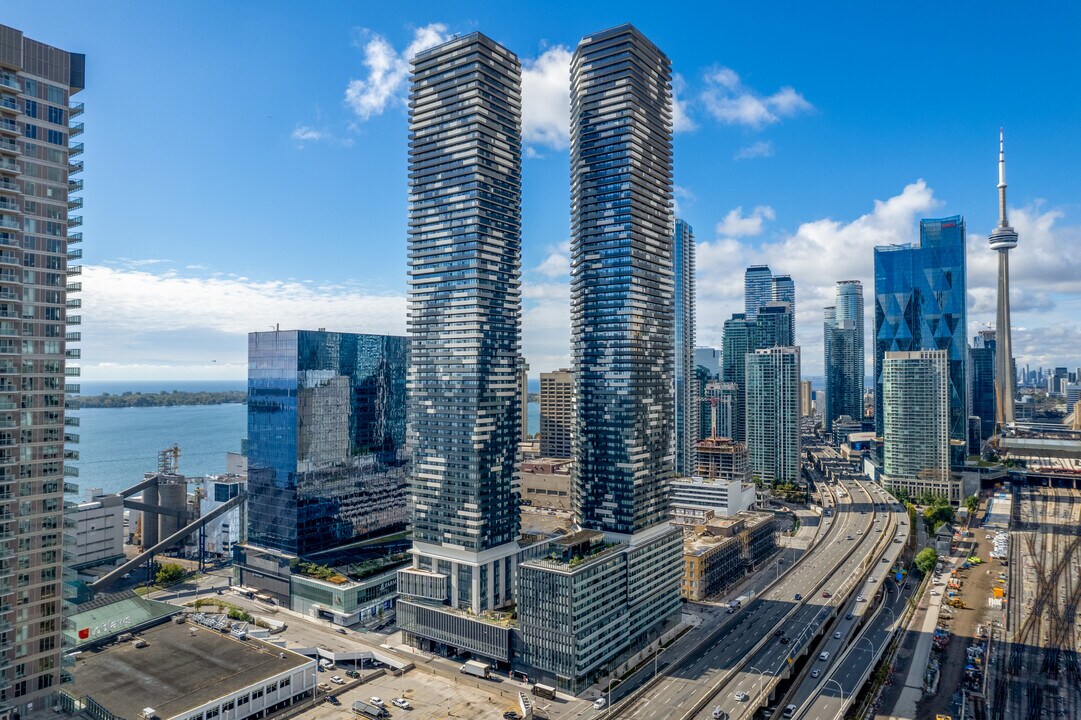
x,y
257,174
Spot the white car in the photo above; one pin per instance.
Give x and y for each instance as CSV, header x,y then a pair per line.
x,y
815,673
935,592
378,702
860,598
337,680
837,635
741,696
401,702
598,703
871,580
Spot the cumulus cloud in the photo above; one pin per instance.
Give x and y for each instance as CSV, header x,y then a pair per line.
x,y
681,119
546,99
387,69
736,224
728,100
138,318
305,134
558,262
755,150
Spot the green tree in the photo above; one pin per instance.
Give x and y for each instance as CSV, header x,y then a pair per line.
x,y
170,573
926,559
972,503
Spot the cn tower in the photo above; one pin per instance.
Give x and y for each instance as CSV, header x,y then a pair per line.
x,y
1002,240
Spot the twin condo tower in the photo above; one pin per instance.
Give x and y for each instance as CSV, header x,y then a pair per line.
x,y
563,608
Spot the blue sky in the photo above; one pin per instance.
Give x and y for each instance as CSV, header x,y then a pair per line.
x,y
246,161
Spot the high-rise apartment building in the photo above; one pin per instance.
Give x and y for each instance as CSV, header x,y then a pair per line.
x,y
757,289
687,390
556,413
916,456
783,289
920,304
773,426
326,439
465,177
523,398
605,591
983,381
38,276
844,361
772,327
806,399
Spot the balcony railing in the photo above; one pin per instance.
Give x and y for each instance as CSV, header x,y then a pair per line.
x,y
9,223
74,303
75,221
9,145
75,149
75,186
9,103
73,337
75,167
75,110
75,254
9,166
77,270
75,320
9,185
75,203
9,126
73,354
74,287
10,206
71,471
75,237
76,129
10,81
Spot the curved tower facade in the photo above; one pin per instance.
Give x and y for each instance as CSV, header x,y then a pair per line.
x,y
1002,240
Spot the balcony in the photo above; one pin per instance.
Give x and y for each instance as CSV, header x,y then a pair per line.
x,y
10,166
72,455
75,110
75,203
9,103
73,354
71,438
73,337
76,129
10,206
9,126
9,145
74,287
70,488
74,303
73,389
75,149
10,223
9,185
75,221
74,238
6,276
75,320
69,421
10,81
72,371
75,167
71,471
75,186
7,258
77,270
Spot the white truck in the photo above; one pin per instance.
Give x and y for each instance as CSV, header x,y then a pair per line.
x,y
738,602
476,669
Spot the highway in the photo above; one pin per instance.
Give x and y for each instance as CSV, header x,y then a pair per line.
x,y
855,644
722,666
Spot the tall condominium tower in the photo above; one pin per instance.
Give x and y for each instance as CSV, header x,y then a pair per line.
x,y
710,359
687,390
739,339
1002,240
920,304
783,289
556,413
465,176
844,363
773,413
622,284
757,289
916,440
806,398
607,590
37,279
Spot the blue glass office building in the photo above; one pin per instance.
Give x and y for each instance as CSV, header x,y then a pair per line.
x,y
687,386
920,305
326,438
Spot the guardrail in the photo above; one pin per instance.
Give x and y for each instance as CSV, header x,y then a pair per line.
x,y
703,701
622,704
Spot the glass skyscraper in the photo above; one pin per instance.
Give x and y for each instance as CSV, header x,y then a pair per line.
x,y
844,361
39,334
687,387
771,328
757,289
622,310
783,289
920,304
773,414
326,438
983,381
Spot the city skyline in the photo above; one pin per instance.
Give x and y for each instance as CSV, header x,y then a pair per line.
x,y
818,231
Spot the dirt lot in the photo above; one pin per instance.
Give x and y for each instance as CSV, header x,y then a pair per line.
x,y
976,584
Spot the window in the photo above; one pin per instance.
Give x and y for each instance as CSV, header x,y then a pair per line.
x,y
31,107
56,116
30,131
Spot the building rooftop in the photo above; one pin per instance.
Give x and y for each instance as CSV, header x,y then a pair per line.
x,y
177,671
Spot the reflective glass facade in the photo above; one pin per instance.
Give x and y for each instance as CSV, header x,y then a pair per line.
x,y
844,353
920,305
783,289
687,388
465,173
326,438
622,309
983,381
773,417
757,289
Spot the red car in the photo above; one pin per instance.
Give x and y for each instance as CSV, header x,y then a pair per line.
x,y
826,595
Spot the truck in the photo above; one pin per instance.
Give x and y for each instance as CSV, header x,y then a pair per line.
x,y
476,669
369,711
738,602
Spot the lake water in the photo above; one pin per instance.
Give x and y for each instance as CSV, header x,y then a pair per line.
x,y
117,445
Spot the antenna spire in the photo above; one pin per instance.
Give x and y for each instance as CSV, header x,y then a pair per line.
x,y
1002,221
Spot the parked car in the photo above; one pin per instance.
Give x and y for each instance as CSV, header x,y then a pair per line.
x,y
337,680
598,703
378,702
860,598
331,700
402,703
352,673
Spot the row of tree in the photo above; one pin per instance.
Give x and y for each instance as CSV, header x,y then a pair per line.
x,y
161,399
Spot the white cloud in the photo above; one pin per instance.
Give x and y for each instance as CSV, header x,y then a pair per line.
x,y
727,99
387,69
558,262
304,134
681,119
137,318
755,150
736,224
683,198
546,99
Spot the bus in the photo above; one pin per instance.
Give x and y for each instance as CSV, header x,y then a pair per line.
x,y
544,691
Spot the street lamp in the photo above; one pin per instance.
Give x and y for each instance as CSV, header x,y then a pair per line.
x,y
657,654
757,694
840,710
